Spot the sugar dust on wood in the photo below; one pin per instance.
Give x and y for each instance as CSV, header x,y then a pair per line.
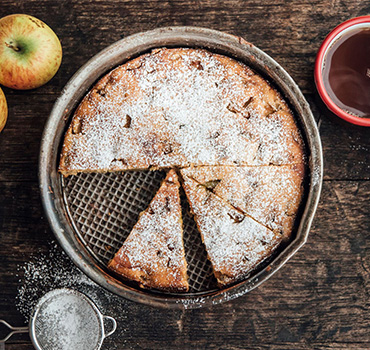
x,y
45,272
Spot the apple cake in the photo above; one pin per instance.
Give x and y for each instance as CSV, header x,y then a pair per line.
x,y
230,135
153,254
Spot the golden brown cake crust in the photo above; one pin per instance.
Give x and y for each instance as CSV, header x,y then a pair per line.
x,y
176,108
153,254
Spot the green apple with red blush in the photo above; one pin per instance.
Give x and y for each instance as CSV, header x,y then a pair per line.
x,y
30,52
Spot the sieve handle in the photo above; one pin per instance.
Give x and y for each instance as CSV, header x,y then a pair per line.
x,y
114,325
13,330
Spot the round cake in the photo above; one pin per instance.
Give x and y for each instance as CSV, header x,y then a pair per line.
x,y
229,135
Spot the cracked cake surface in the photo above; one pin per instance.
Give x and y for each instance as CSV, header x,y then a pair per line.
x,y
153,254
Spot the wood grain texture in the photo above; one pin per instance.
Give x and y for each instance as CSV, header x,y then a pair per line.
x,y
320,299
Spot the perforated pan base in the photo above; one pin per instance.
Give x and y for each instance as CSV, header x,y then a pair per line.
x,y
103,208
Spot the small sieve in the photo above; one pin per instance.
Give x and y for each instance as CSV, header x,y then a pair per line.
x,y
65,319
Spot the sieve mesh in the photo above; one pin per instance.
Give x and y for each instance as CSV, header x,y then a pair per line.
x,y
64,320
103,209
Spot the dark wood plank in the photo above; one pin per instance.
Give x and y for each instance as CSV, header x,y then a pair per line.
x,y
318,300
346,147
292,34
20,140
290,31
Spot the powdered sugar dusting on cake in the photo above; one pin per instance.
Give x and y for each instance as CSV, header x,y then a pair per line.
x,y
271,194
155,246
177,107
152,238
235,243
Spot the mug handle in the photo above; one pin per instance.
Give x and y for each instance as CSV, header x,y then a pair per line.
x,y
114,325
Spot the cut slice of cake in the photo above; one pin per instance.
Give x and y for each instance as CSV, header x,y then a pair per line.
x,y
235,243
153,254
269,194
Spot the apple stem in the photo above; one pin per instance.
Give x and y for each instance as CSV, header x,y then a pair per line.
x,y
11,46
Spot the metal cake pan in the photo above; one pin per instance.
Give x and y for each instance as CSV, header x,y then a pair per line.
x,y
51,183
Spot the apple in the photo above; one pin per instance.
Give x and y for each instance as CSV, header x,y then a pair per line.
x,y
30,52
3,110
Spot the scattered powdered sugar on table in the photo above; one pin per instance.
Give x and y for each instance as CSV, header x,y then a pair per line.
x,y
45,272
48,271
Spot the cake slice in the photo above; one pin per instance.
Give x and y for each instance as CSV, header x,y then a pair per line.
x,y
235,243
270,194
153,254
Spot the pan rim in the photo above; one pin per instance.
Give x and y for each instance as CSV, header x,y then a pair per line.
x,y
136,44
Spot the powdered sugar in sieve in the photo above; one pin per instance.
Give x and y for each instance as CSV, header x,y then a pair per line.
x,y
65,319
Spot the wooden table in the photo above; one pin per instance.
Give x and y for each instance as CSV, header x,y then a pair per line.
x,y
320,299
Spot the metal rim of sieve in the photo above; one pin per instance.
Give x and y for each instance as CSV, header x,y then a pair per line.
x,y
51,184
60,293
